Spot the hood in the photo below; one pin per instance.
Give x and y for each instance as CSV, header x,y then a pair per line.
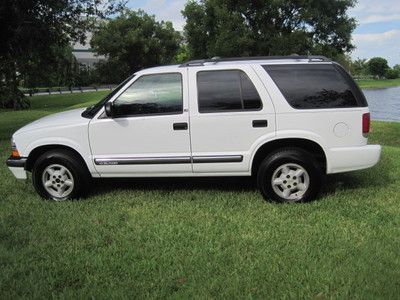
x,y
67,118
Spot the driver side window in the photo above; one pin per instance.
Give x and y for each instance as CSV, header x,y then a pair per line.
x,y
151,95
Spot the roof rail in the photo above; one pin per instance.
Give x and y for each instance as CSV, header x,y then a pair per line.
x,y
201,62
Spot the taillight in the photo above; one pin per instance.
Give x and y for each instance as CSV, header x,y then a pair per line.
x,y
366,121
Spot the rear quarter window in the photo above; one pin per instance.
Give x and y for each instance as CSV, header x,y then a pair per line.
x,y
316,86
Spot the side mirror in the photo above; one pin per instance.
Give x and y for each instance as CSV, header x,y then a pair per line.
x,y
108,107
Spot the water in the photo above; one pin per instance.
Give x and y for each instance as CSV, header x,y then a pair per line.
x,y
384,104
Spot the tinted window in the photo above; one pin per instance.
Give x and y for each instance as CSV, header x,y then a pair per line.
x,y
312,86
229,90
151,94
91,111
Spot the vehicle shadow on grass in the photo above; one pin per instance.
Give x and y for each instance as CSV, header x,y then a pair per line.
x,y
224,184
345,181
372,178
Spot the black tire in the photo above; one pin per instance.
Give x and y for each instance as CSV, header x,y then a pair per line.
x,y
290,157
75,166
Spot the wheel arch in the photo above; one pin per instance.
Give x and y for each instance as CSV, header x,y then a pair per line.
x,y
36,152
306,144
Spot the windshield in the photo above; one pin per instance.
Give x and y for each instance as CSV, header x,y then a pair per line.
x,y
91,111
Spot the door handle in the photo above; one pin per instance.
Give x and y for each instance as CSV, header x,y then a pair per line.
x,y
180,126
260,123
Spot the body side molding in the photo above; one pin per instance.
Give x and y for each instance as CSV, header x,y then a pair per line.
x,y
217,159
168,160
143,160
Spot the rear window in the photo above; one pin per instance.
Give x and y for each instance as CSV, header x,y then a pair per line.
x,y
316,86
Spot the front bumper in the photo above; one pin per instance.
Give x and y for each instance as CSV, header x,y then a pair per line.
x,y
17,167
353,158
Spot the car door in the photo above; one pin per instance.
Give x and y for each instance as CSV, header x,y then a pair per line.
x,y
231,114
149,136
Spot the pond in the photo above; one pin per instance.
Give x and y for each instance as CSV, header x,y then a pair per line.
x,y
384,104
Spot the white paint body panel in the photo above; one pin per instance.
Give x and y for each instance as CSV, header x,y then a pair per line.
x,y
68,129
337,131
353,158
142,136
228,133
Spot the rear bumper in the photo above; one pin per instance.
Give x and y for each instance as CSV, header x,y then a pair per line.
x,y
17,167
353,158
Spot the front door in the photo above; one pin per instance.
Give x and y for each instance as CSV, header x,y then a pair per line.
x,y
149,134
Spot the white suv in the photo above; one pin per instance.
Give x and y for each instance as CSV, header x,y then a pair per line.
x,y
285,120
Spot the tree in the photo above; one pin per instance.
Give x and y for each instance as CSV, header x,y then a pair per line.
x,y
32,30
111,71
183,54
60,68
270,27
392,73
135,40
378,66
360,66
345,61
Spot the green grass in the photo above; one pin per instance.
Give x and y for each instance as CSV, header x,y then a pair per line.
x,y
200,238
42,106
378,84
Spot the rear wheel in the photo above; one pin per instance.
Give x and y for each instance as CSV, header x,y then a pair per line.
x,y
289,175
60,175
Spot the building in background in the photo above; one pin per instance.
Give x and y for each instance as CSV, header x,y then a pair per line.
x,y
85,55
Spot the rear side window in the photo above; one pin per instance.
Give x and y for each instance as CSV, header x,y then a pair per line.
x,y
316,86
227,90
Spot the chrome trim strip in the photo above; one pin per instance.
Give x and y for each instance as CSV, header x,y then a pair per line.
x,y
217,159
143,161
168,160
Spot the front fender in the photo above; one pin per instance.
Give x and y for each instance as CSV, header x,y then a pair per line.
x,y
74,137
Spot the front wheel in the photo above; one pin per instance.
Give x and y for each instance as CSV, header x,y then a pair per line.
x,y
289,175
59,175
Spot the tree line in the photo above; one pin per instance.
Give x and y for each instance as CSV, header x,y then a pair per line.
x,y
377,67
36,50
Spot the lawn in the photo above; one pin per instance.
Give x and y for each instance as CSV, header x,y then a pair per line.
x,y
378,84
200,238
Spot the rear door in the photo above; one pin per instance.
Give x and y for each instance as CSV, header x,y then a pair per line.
x,y
230,115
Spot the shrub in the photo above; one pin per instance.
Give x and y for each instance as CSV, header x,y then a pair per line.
x,y
392,74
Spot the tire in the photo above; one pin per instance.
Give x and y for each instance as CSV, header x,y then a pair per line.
x,y
65,173
289,175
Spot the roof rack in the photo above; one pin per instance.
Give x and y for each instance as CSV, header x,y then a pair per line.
x,y
201,62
